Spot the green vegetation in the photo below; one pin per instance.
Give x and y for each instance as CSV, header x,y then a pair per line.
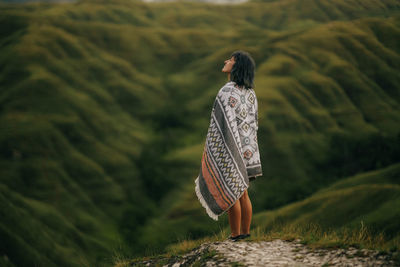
x,y
362,210
359,211
104,107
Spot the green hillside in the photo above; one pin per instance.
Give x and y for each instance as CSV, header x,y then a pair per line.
x,y
370,200
359,211
104,107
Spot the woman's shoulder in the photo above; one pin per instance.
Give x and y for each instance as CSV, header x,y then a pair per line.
x,y
232,89
226,89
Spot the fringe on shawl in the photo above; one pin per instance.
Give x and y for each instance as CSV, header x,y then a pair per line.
x,y
203,202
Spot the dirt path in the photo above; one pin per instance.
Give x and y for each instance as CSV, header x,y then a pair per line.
x,y
284,253
273,253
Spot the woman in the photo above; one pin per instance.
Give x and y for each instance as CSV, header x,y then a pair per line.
x,y
231,157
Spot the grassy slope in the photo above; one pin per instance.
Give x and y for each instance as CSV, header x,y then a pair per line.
x,y
68,148
370,200
361,211
89,97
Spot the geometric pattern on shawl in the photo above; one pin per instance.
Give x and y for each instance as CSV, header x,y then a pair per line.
x,y
223,176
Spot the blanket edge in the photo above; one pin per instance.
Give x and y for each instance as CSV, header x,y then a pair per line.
x,y
203,202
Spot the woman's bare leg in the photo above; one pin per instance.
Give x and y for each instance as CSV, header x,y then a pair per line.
x,y
234,218
246,213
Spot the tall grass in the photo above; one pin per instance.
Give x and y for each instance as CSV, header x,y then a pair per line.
x,y
316,236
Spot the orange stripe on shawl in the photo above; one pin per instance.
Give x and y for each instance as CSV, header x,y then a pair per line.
x,y
215,175
209,179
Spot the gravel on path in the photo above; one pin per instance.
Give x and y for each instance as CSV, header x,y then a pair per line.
x,y
272,253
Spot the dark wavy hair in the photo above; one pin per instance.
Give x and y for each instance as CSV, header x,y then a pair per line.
x,y
242,72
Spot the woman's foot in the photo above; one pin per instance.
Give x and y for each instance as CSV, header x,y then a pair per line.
x,y
235,238
245,236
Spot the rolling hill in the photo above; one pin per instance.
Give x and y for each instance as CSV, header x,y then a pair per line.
x,y
369,200
104,107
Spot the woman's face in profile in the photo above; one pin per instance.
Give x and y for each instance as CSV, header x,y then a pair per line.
x,y
228,65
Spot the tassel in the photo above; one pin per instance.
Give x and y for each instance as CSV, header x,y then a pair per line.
x,y
203,202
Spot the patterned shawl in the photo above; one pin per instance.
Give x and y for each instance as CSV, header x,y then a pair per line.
x,y
224,176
